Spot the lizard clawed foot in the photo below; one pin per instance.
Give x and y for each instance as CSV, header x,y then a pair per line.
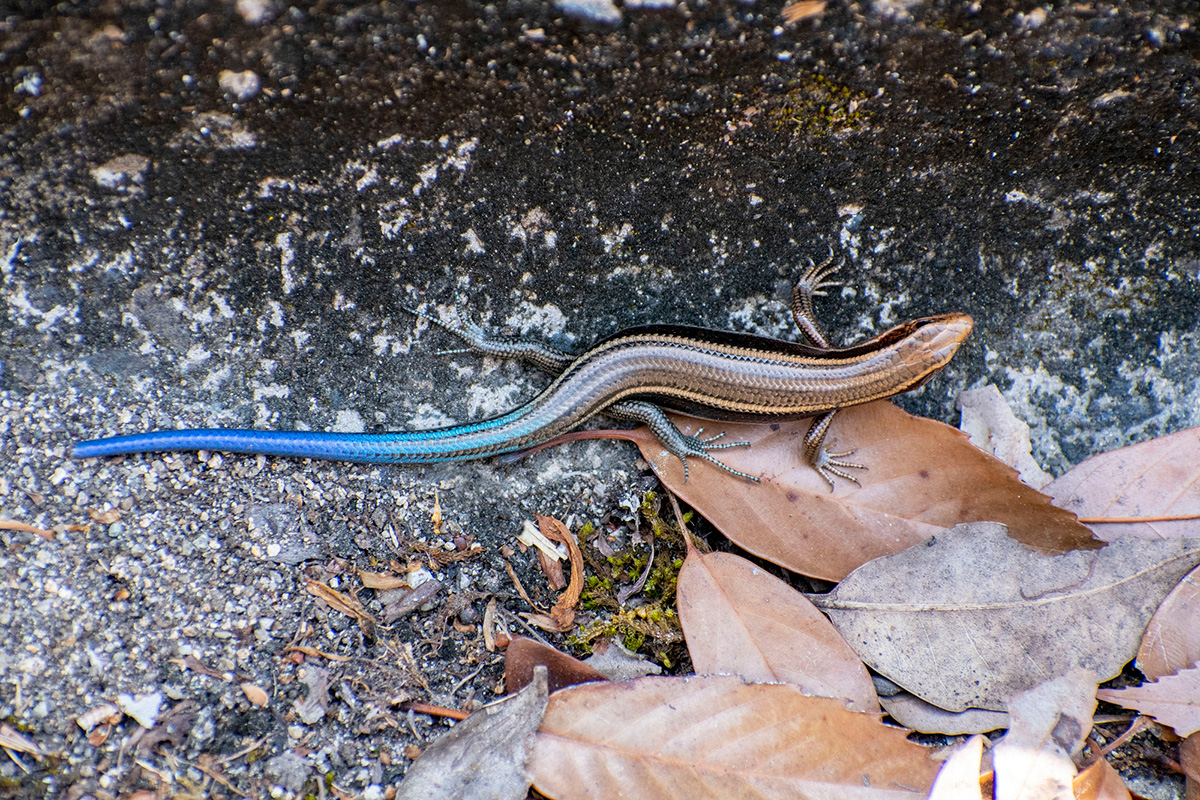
x,y
699,448
462,326
706,444
813,282
830,465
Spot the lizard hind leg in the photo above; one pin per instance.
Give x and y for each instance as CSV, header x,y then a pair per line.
x,y
810,284
678,443
544,357
828,465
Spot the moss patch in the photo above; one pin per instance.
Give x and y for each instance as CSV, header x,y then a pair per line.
x,y
647,622
816,104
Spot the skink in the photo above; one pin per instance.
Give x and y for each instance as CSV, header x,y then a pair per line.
x,y
634,375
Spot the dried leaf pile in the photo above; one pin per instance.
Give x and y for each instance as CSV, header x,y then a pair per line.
x,y
975,602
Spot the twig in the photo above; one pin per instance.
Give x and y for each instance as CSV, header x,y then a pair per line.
x,y
683,528
1152,518
314,652
216,776
245,750
1139,724
16,760
1104,719
411,716
459,685
155,771
13,525
436,711
533,632
1171,764
627,592
517,583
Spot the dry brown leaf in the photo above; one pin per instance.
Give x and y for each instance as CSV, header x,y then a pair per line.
x,y
1100,782
802,9
493,631
315,653
562,615
717,737
994,428
1172,640
629,590
399,603
619,664
343,603
915,714
523,655
958,778
484,756
552,569
198,666
971,617
1173,700
382,581
1049,724
1160,477
106,517
741,620
11,739
924,477
255,694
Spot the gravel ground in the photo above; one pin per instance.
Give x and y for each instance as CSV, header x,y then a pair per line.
x,y
149,562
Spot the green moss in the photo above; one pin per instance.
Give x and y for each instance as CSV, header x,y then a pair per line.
x,y
817,105
328,779
651,628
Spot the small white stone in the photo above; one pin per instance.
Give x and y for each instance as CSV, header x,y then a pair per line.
x,y
599,10
143,708
121,172
242,85
254,12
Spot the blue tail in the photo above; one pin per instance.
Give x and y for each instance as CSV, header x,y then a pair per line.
x,y
363,448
